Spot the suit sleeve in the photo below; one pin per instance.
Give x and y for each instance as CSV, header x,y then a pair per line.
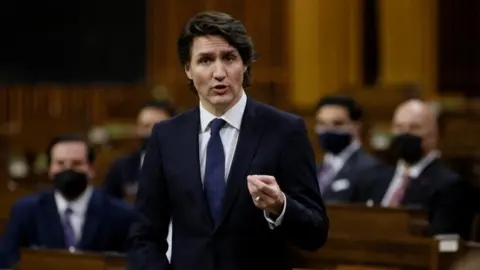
x,y
363,185
148,235
449,213
113,181
14,237
305,221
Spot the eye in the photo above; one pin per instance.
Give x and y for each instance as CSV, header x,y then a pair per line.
x,y
230,57
338,123
204,60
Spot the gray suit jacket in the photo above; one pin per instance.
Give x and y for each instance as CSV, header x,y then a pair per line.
x,y
341,187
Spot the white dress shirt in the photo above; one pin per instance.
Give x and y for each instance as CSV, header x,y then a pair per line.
x,y
79,209
229,136
413,172
338,161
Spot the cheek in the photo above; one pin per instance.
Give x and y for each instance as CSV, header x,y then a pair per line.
x,y
239,73
53,170
427,141
200,76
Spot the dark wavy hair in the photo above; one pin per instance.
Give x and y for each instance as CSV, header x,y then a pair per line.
x,y
70,137
212,23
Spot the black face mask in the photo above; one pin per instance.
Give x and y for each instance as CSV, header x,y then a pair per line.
x,y
334,142
144,143
70,183
408,147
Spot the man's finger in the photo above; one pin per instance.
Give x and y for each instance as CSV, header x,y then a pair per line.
x,y
251,187
254,181
262,201
268,179
268,190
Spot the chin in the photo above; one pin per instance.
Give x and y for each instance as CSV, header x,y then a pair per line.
x,y
222,100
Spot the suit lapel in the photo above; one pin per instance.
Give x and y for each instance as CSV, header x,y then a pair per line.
x,y
382,179
191,158
419,187
342,173
51,222
249,137
92,221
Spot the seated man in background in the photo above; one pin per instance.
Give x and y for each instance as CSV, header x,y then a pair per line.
x,y
338,126
419,178
121,179
73,215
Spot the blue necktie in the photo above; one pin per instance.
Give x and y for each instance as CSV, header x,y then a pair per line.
x,y
214,178
68,229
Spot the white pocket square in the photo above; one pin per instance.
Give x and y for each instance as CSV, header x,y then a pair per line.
x,y
340,184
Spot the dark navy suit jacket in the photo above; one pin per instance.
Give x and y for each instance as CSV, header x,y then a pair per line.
x,y
270,142
359,161
123,172
438,190
34,222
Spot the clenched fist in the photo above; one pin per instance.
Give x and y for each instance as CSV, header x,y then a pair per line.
x,y
266,193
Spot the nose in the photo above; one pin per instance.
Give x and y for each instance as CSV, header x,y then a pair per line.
x,y
219,73
67,166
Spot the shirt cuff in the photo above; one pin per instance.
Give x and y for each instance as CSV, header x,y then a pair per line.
x,y
278,221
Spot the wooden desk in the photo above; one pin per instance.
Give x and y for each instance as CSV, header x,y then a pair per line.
x,y
408,254
401,253
378,222
61,260
339,254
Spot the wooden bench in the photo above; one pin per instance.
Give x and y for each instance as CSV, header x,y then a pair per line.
x,y
378,222
360,238
347,253
405,254
43,259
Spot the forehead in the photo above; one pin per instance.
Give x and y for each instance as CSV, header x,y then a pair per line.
x,y
210,45
152,114
332,111
409,116
69,150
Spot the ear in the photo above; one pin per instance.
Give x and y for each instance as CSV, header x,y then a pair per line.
x,y
245,69
188,71
92,172
358,128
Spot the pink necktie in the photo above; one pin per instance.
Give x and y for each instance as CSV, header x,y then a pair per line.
x,y
399,193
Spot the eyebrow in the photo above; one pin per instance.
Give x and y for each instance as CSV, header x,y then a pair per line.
x,y
224,52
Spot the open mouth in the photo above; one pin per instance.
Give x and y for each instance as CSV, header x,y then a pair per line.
x,y
220,89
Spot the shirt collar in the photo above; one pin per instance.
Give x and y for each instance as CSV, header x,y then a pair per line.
x,y
415,170
79,206
233,116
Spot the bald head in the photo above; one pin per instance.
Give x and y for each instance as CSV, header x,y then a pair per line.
x,y
417,118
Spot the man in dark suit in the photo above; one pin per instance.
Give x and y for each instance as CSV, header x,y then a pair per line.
x,y
237,177
338,123
73,216
121,179
419,180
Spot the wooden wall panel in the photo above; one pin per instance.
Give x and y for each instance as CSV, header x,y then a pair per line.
x,y
325,48
408,43
459,40
31,114
92,103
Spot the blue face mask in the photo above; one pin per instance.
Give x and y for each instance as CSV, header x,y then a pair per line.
x,y
334,141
